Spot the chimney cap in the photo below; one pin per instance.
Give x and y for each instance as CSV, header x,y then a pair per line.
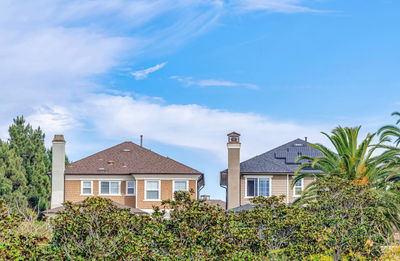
x,y
59,138
233,134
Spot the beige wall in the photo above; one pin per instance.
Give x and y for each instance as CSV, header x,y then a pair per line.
x,y
73,193
279,186
166,193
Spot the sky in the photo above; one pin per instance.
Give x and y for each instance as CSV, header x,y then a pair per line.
x,y
184,73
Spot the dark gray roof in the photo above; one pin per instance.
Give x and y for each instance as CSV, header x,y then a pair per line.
x,y
281,159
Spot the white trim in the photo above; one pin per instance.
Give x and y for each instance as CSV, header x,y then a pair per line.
x,y
233,145
91,188
136,184
126,188
99,177
173,186
166,176
119,184
257,177
145,190
294,189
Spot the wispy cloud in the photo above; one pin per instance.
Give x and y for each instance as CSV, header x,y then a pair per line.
x,y
142,74
279,6
189,81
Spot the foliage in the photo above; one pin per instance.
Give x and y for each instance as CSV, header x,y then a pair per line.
x,y
17,243
13,183
28,143
358,164
391,131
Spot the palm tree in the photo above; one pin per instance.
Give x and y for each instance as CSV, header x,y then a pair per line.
x,y
389,131
358,163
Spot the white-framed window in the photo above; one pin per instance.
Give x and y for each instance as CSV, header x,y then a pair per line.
x,y
258,186
180,185
298,188
86,187
130,187
152,190
110,188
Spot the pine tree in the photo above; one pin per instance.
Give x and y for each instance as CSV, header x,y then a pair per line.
x,y
13,183
28,143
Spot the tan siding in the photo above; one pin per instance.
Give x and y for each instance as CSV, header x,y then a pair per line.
x,y
278,186
73,193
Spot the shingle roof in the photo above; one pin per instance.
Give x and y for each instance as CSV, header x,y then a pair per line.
x,y
216,202
133,210
281,159
128,158
243,207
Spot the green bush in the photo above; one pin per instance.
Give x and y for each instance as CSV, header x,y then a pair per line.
x,y
340,225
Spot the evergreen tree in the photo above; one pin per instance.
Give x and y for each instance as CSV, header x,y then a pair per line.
x,y
13,183
28,143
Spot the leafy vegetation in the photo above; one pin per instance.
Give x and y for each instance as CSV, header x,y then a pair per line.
x,y
358,164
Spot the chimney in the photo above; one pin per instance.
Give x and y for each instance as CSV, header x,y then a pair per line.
x,y
141,140
233,198
57,172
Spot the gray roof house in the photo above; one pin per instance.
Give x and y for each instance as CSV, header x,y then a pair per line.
x,y
270,173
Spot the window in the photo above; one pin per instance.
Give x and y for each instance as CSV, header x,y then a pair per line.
x,y
180,185
298,188
87,188
110,187
152,190
258,187
130,187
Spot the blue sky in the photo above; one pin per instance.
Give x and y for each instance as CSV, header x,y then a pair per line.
x,y
185,73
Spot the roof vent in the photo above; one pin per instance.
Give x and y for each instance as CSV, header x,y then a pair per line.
x,y
100,159
101,169
110,162
126,150
298,145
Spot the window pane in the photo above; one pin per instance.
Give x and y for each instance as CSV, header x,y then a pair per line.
x,y
105,187
152,194
130,187
263,187
298,183
87,184
297,191
114,187
250,187
87,191
152,185
180,185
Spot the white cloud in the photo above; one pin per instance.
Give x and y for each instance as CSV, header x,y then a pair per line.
x,y
194,126
142,74
212,82
280,6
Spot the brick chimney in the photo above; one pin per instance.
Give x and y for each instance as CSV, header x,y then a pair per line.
x,y
233,198
57,171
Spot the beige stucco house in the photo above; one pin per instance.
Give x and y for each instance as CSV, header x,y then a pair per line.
x,y
270,173
130,175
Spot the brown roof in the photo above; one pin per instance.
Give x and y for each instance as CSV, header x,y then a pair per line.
x,y
216,202
133,210
128,158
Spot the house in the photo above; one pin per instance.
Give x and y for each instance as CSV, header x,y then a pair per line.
x,y
270,173
130,175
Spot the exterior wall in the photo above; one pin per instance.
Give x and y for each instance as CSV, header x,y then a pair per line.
x,y
73,193
280,185
73,190
166,193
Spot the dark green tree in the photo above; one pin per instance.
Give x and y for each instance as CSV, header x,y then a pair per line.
x,y
13,183
28,143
